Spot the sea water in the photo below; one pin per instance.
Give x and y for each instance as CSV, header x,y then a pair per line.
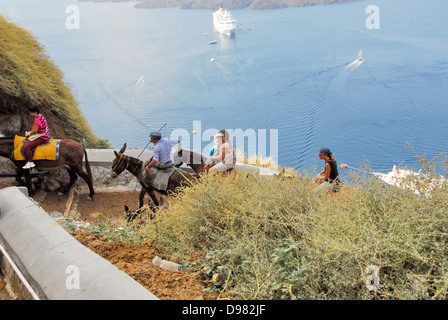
x,y
289,76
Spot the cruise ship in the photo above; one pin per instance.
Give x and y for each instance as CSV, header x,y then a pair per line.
x,y
224,22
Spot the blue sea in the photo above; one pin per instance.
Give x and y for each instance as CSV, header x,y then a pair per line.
x,y
287,81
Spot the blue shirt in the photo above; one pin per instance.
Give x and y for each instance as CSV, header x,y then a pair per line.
x,y
162,151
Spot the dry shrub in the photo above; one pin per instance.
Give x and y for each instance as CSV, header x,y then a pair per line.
x,y
271,238
28,76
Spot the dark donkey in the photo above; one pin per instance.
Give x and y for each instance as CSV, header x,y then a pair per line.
x,y
71,154
135,166
196,161
193,159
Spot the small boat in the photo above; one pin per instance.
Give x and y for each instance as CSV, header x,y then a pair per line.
x,y
212,60
212,42
360,58
418,182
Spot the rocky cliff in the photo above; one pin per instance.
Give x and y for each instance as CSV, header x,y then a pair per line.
x,y
228,4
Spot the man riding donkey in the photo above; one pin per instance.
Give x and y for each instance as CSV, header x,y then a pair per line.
x,y
161,165
162,157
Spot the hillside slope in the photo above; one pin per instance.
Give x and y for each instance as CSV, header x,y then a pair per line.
x,y
228,4
233,4
28,76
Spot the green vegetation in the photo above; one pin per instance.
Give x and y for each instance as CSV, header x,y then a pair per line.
x,y
271,238
28,76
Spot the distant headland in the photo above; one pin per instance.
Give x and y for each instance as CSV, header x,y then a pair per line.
x,y
228,4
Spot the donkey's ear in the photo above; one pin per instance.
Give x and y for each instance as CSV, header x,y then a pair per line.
x,y
116,154
123,148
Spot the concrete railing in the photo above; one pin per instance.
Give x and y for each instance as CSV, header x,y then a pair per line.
x,y
49,263
104,157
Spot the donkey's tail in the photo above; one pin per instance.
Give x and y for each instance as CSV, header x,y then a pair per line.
x,y
89,171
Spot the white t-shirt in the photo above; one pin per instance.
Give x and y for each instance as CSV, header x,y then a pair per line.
x,y
229,153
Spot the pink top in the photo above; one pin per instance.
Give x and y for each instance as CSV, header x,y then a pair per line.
x,y
43,128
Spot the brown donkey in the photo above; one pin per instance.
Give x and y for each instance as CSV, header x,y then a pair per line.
x,y
71,154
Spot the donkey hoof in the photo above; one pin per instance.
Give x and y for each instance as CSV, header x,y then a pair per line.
x,y
89,198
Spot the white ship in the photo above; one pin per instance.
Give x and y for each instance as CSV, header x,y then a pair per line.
x,y
224,22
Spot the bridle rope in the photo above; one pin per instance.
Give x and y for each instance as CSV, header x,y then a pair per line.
x,y
127,159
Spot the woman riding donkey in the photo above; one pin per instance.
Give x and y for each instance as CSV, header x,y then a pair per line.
x,y
68,155
225,157
38,135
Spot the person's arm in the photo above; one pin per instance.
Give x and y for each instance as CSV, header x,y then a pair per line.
x,y
223,152
215,154
319,175
327,172
33,131
324,175
151,164
155,158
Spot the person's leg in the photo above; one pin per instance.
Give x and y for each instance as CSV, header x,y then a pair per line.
x,y
31,145
215,167
212,163
223,167
323,187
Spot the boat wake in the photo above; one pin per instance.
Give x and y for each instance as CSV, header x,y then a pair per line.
x,y
355,64
140,82
307,78
317,97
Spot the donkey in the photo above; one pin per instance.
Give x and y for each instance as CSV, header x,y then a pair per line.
x,y
135,167
132,215
193,159
71,154
197,162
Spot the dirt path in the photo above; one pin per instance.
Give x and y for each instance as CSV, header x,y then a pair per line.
x,y
135,260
